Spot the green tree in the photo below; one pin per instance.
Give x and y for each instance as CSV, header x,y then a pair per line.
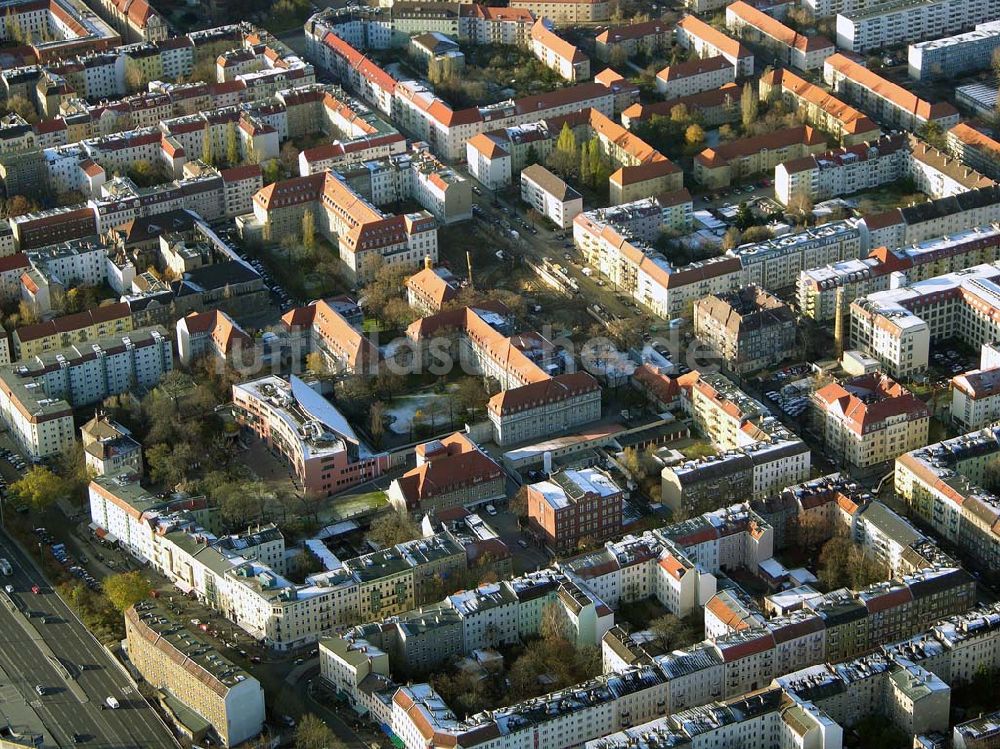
x,y
309,230
732,238
232,145
126,589
585,173
207,154
566,142
931,132
694,136
744,217
531,156
313,733
749,105
39,487
21,106
170,464
391,528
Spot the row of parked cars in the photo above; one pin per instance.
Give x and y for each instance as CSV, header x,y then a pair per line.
x,y
62,556
794,405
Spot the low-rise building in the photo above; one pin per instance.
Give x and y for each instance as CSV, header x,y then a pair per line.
x,y
567,13
694,77
693,34
653,35
556,53
818,107
550,196
974,147
735,161
575,507
109,448
781,44
431,289
975,398
888,103
213,334
749,328
450,472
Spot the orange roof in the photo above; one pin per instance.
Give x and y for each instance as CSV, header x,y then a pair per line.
x,y
429,284
898,95
852,121
633,31
726,152
487,146
975,138
725,44
867,401
694,67
777,30
553,42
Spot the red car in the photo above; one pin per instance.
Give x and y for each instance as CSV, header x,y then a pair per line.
x,y
35,589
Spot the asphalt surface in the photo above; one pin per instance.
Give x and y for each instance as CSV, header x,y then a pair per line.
x,y
61,655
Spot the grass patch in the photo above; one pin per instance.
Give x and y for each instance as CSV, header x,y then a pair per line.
x,y
344,508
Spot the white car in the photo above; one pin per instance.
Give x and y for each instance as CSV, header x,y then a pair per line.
x,y
112,703
9,589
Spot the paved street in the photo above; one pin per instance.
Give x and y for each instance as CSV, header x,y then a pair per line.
x,y
62,656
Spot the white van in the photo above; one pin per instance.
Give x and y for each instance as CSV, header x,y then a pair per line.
x,y
112,703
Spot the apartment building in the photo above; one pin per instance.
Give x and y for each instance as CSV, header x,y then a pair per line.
x,y
190,674
934,218
716,107
954,56
898,326
866,166
550,196
870,419
213,334
135,20
60,332
654,34
450,472
779,43
575,507
309,432
749,328
757,455
38,393
887,103
109,448
537,397
975,398
641,169
735,161
843,171
695,35
557,54
365,235
817,287
943,486
893,22
694,77
323,327
975,148
59,28
566,12
240,577
431,289
776,263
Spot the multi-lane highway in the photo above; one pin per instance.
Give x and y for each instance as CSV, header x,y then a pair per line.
x,y
44,644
